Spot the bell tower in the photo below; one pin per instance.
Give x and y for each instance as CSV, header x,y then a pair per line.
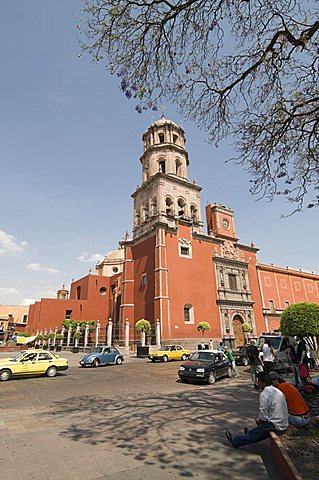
x,y
166,195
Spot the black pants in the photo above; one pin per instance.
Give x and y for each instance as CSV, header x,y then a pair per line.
x,y
268,366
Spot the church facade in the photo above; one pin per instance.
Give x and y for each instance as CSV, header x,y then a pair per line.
x,y
175,272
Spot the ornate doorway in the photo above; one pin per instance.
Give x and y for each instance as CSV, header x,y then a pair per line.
x,y
238,331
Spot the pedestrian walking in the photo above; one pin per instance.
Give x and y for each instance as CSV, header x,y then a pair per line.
x,y
255,362
234,367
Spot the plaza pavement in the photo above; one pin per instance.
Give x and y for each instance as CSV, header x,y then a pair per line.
x,y
132,422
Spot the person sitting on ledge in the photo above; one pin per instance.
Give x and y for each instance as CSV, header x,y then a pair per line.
x,y
297,408
273,415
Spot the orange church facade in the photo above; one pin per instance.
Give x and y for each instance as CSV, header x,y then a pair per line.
x,y
171,272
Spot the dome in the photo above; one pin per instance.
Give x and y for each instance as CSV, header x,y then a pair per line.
x,y
165,121
115,255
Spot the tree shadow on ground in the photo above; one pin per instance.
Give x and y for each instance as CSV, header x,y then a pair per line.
x,y
181,431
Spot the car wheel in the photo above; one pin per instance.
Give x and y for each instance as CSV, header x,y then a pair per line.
x,y
212,378
51,372
165,358
83,366
5,375
183,357
118,361
245,362
95,363
229,370
153,360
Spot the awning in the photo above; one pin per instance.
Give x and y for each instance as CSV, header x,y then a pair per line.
x,y
23,340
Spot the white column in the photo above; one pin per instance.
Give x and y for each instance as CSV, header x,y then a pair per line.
x,y
54,338
62,331
143,339
69,337
127,334
86,334
158,333
97,333
109,332
76,343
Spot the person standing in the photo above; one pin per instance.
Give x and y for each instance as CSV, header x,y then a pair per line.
x,y
234,367
273,415
255,362
297,408
220,347
211,345
302,360
268,355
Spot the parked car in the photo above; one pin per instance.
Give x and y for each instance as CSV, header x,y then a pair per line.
x,y
240,355
102,356
205,366
32,362
169,352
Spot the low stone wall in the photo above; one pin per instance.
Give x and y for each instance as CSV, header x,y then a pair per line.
x,y
282,460
13,349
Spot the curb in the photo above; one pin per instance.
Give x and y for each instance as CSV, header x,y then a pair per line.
x,y
282,460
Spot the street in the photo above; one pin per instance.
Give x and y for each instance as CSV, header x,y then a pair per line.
x,y
134,421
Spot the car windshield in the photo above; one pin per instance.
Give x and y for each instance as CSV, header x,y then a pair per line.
x,y
239,349
18,356
166,348
274,341
203,356
97,350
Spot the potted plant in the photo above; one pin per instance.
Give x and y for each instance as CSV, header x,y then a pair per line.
x,y
144,327
45,338
38,340
203,327
77,335
51,337
247,328
59,337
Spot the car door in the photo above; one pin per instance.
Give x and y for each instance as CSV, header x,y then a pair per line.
x,y
44,360
29,363
179,352
173,354
221,364
107,356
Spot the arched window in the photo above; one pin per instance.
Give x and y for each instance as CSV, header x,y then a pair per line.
x,y
178,167
137,218
153,206
145,212
188,313
194,213
169,206
162,167
181,207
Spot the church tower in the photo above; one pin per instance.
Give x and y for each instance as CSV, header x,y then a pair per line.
x,y
166,195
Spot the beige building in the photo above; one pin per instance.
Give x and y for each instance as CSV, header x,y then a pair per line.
x,y
12,317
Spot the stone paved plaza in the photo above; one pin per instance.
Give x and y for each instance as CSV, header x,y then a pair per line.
x,y
134,421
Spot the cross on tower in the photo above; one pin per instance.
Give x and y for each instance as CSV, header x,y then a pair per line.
x,y
163,109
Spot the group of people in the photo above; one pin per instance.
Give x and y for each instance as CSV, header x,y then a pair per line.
x,y
280,404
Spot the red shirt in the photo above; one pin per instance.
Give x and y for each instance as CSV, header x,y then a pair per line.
x,y
295,402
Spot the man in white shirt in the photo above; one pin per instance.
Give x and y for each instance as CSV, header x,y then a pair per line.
x,y
273,414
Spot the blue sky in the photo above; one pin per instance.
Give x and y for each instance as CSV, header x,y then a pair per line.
x,y
70,144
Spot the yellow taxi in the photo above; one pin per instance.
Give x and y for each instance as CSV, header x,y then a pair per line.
x,y
32,362
170,352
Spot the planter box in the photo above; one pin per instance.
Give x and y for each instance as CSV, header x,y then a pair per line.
x,y
75,349
282,460
51,348
58,348
142,352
